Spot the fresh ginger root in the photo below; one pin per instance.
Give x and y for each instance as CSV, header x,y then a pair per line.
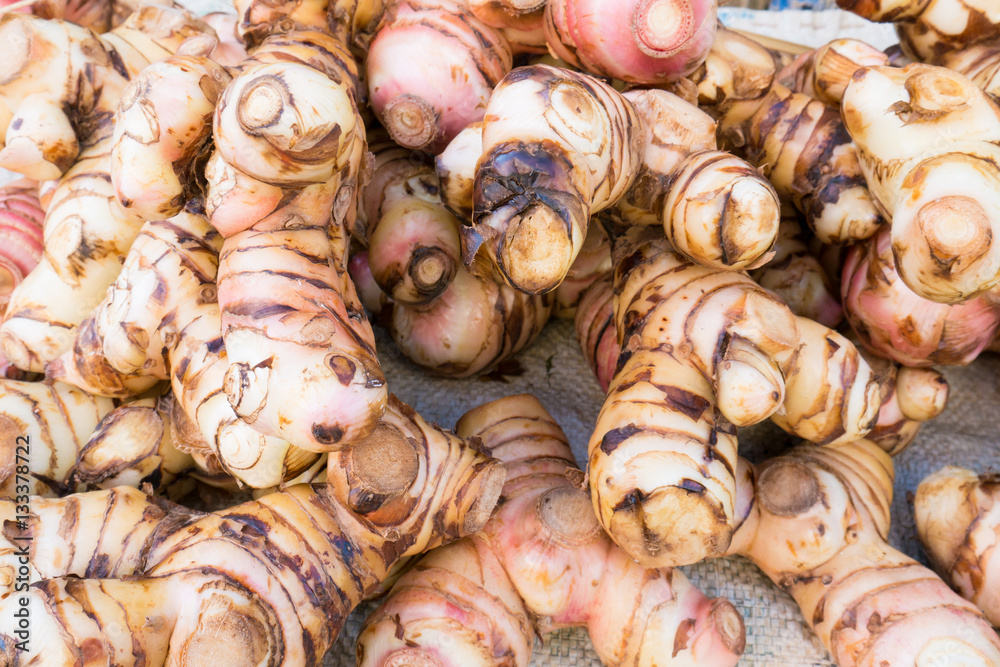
x,y
474,325
76,439
98,15
87,231
958,521
641,41
752,359
798,142
351,22
912,396
595,330
931,29
716,209
557,147
423,107
980,62
540,564
927,142
302,355
816,521
164,125
671,514
271,581
456,170
825,72
894,322
161,320
413,240
522,22
797,276
21,217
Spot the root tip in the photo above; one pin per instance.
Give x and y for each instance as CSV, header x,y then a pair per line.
x,y
411,121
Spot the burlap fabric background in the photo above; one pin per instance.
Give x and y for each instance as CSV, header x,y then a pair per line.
x,y
554,370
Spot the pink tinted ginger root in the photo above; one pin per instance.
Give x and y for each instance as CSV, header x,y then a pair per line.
x,y
290,314
163,127
471,327
896,323
21,218
425,101
413,240
595,330
88,232
592,264
816,521
272,580
640,41
540,564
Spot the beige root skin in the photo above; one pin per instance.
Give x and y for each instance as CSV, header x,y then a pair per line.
x,y
835,199
540,564
94,535
290,314
165,301
958,521
210,588
981,63
351,22
816,521
133,447
721,212
87,231
832,394
786,134
123,347
663,400
825,72
715,208
912,396
456,170
672,129
941,195
557,147
76,439
945,26
732,83
522,22
164,124
795,275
